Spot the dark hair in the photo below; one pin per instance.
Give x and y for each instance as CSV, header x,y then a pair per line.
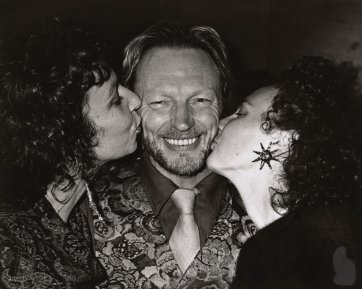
x,y
320,101
45,137
172,35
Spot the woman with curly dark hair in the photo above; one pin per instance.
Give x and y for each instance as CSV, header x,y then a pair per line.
x,y
293,151
62,114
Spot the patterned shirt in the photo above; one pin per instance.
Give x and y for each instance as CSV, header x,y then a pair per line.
x,y
132,245
38,250
160,189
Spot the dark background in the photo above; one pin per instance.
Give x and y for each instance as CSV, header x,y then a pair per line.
x,y
260,34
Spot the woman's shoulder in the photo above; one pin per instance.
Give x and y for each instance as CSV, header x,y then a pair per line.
x,y
17,235
38,249
18,224
28,225
313,246
331,220
10,217
311,236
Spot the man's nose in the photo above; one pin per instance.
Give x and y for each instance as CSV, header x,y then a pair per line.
x,y
183,118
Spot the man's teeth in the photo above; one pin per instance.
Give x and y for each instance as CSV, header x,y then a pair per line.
x,y
181,142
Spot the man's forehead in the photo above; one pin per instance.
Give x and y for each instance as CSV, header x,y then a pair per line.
x,y
173,66
175,60
174,91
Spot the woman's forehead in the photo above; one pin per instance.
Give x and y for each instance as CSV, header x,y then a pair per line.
x,y
261,98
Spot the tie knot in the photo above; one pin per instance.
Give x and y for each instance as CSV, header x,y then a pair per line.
x,y
184,200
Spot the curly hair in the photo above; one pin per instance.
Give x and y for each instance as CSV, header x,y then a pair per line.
x,y
173,35
319,101
45,137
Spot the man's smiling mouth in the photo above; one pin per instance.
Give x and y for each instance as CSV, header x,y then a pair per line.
x,y
181,142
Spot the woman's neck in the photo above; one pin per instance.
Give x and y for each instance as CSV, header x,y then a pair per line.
x,y
63,201
254,189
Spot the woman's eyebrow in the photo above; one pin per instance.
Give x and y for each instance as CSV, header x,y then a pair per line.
x,y
114,88
246,101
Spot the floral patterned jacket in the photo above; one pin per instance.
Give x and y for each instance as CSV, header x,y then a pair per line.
x,y
38,250
133,248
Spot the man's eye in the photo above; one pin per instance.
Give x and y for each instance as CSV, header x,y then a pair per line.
x,y
202,101
158,104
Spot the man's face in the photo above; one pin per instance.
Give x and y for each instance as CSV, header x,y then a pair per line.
x,y
180,111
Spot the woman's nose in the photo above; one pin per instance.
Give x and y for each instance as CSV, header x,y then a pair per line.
x,y
137,117
134,101
225,121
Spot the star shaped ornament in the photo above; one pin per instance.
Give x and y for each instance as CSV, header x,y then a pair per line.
x,y
266,155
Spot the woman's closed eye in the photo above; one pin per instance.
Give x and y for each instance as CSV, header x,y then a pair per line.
x,y
118,101
240,112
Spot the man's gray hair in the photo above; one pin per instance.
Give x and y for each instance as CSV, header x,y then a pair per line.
x,y
172,35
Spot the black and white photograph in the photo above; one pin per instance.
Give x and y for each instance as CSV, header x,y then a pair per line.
x,y
180,144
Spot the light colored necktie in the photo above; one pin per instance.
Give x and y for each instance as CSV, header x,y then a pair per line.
x,y
185,240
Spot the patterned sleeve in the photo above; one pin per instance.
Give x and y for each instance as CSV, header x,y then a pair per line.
x,y
7,253
20,264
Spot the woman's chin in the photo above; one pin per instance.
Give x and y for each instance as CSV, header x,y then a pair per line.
x,y
133,149
125,153
213,164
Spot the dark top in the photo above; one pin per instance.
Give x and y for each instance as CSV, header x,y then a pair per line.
x,y
316,248
39,250
160,189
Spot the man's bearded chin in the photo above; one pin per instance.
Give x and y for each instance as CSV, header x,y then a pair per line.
x,y
183,166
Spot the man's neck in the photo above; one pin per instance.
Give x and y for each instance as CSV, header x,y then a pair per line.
x,y
187,182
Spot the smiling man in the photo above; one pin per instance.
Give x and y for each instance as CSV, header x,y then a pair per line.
x,y
180,111
171,221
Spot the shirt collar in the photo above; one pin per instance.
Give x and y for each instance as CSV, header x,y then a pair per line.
x,y
160,188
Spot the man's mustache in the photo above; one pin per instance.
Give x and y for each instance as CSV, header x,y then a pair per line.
x,y
181,136
176,134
